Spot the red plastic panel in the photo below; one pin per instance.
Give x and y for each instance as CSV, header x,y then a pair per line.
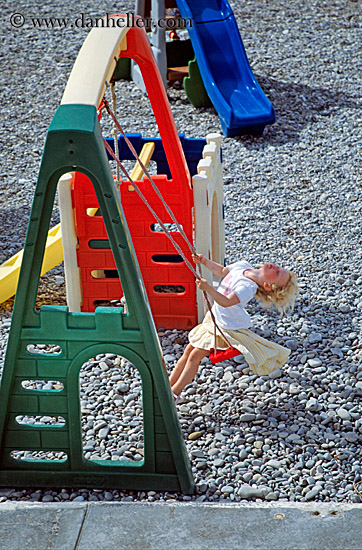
x,y
170,309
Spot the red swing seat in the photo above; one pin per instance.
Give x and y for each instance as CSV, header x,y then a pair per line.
x,y
216,356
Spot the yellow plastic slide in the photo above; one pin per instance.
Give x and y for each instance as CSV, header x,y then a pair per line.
x,y
9,270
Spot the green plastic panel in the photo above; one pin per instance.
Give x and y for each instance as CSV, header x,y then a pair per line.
x,y
74,143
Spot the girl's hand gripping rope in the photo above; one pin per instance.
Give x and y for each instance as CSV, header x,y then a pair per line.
x,y
198,258
203,284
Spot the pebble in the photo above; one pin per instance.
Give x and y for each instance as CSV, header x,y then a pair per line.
x,y
169,358
207,409
271,496
122,388
276,374
291,344
315,338
314,362
194,435
247,491
342,413
102,434
293,435
351,437
313,492
247,417
228,377
313,405
274,464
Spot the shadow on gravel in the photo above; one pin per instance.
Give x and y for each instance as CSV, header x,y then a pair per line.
x,y
296,105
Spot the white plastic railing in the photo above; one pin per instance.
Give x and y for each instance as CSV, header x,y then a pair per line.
x,y
208,213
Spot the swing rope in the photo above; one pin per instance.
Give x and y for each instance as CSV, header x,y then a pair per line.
x,y
192,249
143,198
156,189
114,130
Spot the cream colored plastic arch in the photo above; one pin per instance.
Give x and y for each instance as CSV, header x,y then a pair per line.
x,y
95,65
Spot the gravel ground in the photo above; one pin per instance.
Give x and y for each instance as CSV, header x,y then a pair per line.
x,y
292,196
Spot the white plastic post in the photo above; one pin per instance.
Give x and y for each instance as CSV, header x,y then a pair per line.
x,y
202,230
214,140
70,242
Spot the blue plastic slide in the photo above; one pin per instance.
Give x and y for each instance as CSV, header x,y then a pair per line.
x,y
225,70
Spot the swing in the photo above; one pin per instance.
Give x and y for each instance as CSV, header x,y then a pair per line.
x,y
216,356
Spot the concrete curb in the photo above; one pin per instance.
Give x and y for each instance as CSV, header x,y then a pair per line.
x,y
190,526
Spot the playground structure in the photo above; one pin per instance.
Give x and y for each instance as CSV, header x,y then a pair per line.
x,y
74,156
218,70
90,272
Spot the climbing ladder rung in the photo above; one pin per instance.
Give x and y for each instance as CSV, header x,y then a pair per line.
x,y
145,156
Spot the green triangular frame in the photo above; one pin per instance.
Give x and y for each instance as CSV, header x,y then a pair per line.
x,y
74,143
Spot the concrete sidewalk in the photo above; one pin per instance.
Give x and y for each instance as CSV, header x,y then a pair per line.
x,y
166,526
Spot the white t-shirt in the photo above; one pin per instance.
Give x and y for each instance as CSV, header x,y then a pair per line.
x,y
235,317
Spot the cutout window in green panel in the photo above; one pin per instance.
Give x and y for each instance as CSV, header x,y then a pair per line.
x,y
55,456
43,385
37,421
51,285
112,411
49,349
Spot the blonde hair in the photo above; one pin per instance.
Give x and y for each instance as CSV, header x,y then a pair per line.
x,y
282,298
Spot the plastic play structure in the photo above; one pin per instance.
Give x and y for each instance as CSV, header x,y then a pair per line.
x,y
220,58
112,247
90,271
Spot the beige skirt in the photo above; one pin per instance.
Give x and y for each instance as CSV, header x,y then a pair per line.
x,y
262,356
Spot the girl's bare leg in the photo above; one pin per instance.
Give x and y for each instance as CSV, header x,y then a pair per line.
x,y
180,365
189,370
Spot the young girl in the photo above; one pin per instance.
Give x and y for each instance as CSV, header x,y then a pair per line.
x,y
270,284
